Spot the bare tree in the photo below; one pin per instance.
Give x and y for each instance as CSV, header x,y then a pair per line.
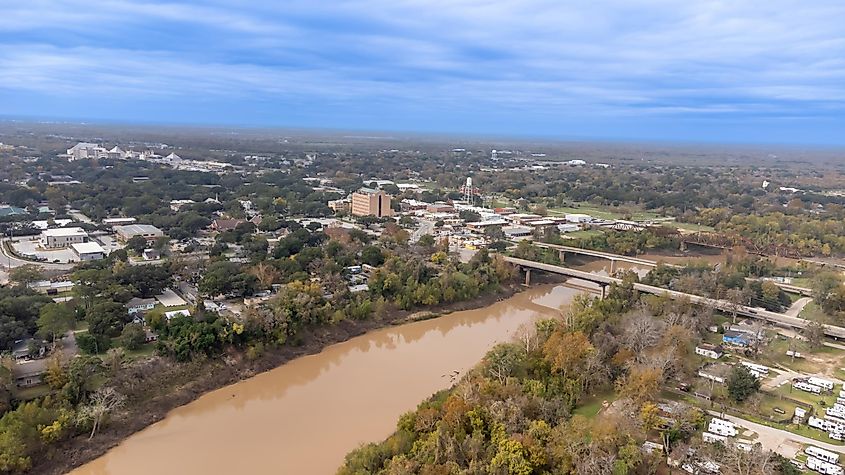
x,y
103,401
642,331
526,335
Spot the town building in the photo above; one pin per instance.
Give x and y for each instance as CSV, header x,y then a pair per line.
x,y
147,231
118,221
175,205
88,251
370,202
340,205
84,150
151,255
736,338
59,238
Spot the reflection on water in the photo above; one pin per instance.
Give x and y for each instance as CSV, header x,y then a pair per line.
x,y
303,417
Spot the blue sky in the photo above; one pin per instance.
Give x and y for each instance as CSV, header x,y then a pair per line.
x,y
704,70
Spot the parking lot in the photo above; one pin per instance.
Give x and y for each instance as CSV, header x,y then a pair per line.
x,y
30,247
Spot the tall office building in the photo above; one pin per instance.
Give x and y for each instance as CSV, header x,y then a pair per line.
x,y
369,202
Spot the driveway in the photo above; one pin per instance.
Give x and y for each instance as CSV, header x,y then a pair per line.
x,y
797,306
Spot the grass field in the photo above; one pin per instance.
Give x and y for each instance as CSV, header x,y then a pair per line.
x,y
606,212
813,312
593,404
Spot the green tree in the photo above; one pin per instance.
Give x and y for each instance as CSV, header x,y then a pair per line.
x,y
133,336
55,320
137,244
741,383
26,274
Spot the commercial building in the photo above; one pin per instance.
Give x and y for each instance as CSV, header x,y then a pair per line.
x,y
369,202
62,237
88,251
147,231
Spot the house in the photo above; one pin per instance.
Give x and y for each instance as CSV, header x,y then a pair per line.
x,y
717,372
736,338
151,255
23,348
175,205
88,251
710,351
139,305
60,238
29,373
6,210
223,225
147,231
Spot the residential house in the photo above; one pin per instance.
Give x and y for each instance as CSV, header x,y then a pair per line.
x,y
709,351
139,305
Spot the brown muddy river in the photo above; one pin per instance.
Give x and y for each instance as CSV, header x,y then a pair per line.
x,y
305,416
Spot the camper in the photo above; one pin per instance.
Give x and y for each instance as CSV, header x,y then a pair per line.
x,y
822,454
825,468
711,438
756,368
810,388
822,383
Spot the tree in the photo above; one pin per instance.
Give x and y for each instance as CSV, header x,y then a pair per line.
x,y
26,274
372,255
741,383
641,384
814,334
103,401
137,244
133,336
106,319
426,240
469,216
54,321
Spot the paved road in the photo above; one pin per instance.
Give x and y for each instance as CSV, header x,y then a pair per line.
x,y
426,227
797,306
777,440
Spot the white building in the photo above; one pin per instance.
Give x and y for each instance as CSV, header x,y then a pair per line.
x,y
84,150
118,221
62,237
88,251
577,218
175,205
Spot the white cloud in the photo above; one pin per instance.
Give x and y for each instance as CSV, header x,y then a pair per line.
x,y
601,57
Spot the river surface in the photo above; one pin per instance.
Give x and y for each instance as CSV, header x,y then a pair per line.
x,y
303,417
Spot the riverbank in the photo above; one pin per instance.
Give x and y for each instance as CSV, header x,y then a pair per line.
x,y
159,386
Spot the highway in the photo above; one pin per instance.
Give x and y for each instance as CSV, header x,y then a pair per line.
x,y
647,262
723,305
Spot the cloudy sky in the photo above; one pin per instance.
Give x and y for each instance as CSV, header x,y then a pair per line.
x,y
717,71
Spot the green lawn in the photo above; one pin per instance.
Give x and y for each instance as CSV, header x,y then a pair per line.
x,y
591,406
606,212
813,312
144,351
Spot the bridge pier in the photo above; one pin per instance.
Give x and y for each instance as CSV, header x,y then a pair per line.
x,y
683,246
603,293
562,256
527,277
612,266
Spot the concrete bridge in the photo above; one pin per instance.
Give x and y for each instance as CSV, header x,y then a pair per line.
x,y
613,258
722,305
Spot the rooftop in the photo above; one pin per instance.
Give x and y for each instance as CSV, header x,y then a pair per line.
x,y
64,232
137,229
88,248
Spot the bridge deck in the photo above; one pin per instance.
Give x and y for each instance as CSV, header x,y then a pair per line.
x,y
723,305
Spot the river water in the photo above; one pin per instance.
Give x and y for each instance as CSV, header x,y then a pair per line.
x,y
305,416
